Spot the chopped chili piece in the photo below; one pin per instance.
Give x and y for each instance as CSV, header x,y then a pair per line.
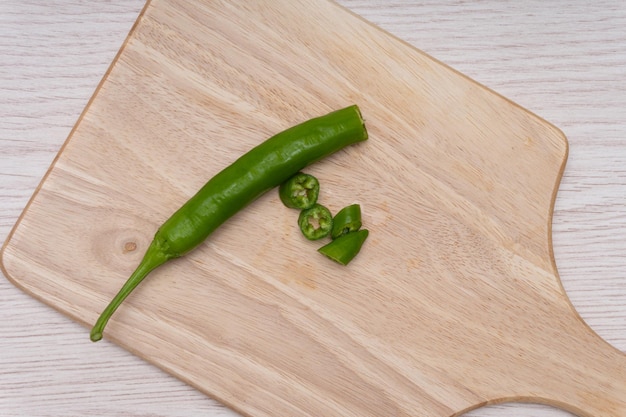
x,y
315,222
347,220
300,191
345,247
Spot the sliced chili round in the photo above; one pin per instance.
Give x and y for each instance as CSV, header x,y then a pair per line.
x,y
347,220
315,222
300,191
345,247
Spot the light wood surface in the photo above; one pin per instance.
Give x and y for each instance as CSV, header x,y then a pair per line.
x,y
588,255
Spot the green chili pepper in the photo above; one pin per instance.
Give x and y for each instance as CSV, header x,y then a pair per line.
x,y
347,220
315,222
345,247
300,191
262,168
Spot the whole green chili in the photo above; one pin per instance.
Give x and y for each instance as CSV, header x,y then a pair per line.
x,y
316,222
347,220
345,247
262,168
300,191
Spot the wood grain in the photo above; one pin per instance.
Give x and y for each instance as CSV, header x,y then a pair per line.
x,y
618,287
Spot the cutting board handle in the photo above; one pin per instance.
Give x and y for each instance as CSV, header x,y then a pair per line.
x,y
591,376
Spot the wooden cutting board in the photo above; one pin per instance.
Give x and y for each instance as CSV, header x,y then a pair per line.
x,y
455,300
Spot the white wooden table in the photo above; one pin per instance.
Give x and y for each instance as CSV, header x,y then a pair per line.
x,y
564,60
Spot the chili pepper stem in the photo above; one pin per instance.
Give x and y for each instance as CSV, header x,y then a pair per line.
x,y
153,258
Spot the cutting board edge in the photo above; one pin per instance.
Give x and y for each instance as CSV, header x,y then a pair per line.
x,y
601,341
558,131
54,162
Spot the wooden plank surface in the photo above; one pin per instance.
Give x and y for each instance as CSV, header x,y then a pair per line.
x,y
616,292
